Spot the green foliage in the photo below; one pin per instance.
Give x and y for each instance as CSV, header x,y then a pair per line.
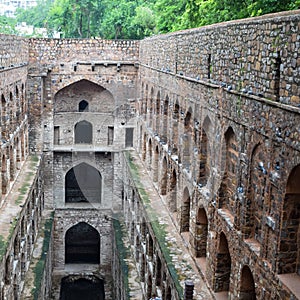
x,y
122,250
7,25
169,14
135,19
158,229
40,265
3,245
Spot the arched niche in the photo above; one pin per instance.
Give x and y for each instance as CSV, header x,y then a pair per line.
x,y
201,233
247,290
185,211
289,250
82,245
83,132
83,106
83,183
98,98
223,265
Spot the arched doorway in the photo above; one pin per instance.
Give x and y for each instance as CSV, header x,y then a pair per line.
x,y
164,177
173,192
83,133
204,169
83,106
247,291
223,265
83,183
201,233
91,288
82,245
228,188
289,255
185,211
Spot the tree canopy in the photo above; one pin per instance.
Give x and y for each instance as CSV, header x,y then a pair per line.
x,y
136,19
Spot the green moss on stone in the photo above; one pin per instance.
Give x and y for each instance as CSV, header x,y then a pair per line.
x,y
40,265
123,251
158,229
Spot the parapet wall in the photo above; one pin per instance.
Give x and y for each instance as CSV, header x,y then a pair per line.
x,y
13,51
51,51
258,55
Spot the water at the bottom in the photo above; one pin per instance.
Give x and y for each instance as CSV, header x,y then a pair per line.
x,y
82,289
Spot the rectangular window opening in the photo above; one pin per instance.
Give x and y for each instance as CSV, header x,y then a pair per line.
x,y
129,137
110,138
56,135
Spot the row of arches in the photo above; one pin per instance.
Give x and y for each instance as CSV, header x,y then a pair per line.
x,y
248,217
248,184
13,155
13,110
151,265
24,237
248,214
152,268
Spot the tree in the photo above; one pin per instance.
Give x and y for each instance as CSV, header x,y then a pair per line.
x,y
7,25
135,19
169,14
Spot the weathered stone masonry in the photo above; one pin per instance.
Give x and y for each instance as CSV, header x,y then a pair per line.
x,y
219,132
211,118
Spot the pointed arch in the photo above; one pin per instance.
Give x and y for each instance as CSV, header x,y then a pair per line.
x,y
173,192
229,182
4,117
175,128
185,211
289,251
83,106
150,154
247,290
258,173
164,177
82,244
12,163
83,132
144,150
187,142
4,175
203,163
67,99
155,164
223,265
83,183
151,107
164,135
157,113
201,233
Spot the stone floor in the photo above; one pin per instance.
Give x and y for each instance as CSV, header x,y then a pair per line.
x,y
13,201
186,266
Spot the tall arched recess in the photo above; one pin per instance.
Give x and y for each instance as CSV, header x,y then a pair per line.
x,y
289,251
82,245
83,183
83,132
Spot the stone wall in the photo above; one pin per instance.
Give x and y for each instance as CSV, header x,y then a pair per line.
x,y
229,155
13,53
65,219
256,56
56,64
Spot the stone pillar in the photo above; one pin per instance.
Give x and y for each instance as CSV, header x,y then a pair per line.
x,y
188,290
